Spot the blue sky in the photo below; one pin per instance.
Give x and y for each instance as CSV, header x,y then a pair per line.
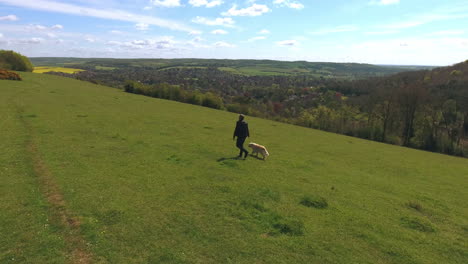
x,y
412,32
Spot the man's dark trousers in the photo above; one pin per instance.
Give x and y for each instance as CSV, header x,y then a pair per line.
x,y
240,145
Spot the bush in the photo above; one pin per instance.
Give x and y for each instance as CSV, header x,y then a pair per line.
x,y
392,139
8,75
10,60
195,98
314,201
212,101
455,73
238,108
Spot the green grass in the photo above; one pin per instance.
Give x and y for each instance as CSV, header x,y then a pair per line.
x,y
55,69
104,68
154,181
182,67
266,70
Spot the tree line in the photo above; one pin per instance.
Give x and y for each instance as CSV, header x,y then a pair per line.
x,y
175,93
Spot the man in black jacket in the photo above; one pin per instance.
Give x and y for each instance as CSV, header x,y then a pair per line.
x,y
241,132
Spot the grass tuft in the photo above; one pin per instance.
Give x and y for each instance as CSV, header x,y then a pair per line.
x,y
415,205
111,217
417,224
314,201
290,227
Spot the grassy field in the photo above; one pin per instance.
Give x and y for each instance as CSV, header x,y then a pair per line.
x,y
105,68
55,69
266,70
91,174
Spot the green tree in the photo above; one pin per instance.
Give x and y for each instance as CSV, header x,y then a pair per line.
x,y
11,60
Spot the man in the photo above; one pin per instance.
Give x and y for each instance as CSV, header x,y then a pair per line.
x,y
241,132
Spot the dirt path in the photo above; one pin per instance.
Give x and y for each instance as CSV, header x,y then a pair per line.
x,y
59,214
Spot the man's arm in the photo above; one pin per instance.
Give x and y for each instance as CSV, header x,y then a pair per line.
x,y
235,131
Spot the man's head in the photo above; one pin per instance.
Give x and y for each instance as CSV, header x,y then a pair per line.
x,y
241,117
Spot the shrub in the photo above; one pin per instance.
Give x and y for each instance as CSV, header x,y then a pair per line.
x,y
239,108
213,101
129,86
195,98
455,73
8,75
11,60
314,201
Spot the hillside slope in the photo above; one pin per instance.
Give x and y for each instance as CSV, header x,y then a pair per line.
x,y
92,174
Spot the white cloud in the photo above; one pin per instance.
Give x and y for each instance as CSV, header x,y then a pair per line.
x,y
225,21
344,28
195,32
90,40
1,35
205,3
264,32
256,38
157,44
116,32
114,43
254,10
197,39
142,26
165,3
51,35
219,32
222,44
39,27
112,14
9,18
197,43
34,27
288,43
289,3
32,41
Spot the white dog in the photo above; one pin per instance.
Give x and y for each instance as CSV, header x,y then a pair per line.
x,y
256,148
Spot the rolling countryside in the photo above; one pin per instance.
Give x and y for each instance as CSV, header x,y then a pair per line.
x,y
91,174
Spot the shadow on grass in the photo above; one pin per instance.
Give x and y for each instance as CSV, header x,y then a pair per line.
x,y
239,158
232,158
256,157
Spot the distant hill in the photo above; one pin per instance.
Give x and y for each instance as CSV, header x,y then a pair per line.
x,y
90,174
241,67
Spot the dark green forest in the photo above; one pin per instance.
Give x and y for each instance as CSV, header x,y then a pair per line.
x,y
419,107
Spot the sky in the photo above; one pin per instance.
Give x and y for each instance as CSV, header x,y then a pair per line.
x,y
401,32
